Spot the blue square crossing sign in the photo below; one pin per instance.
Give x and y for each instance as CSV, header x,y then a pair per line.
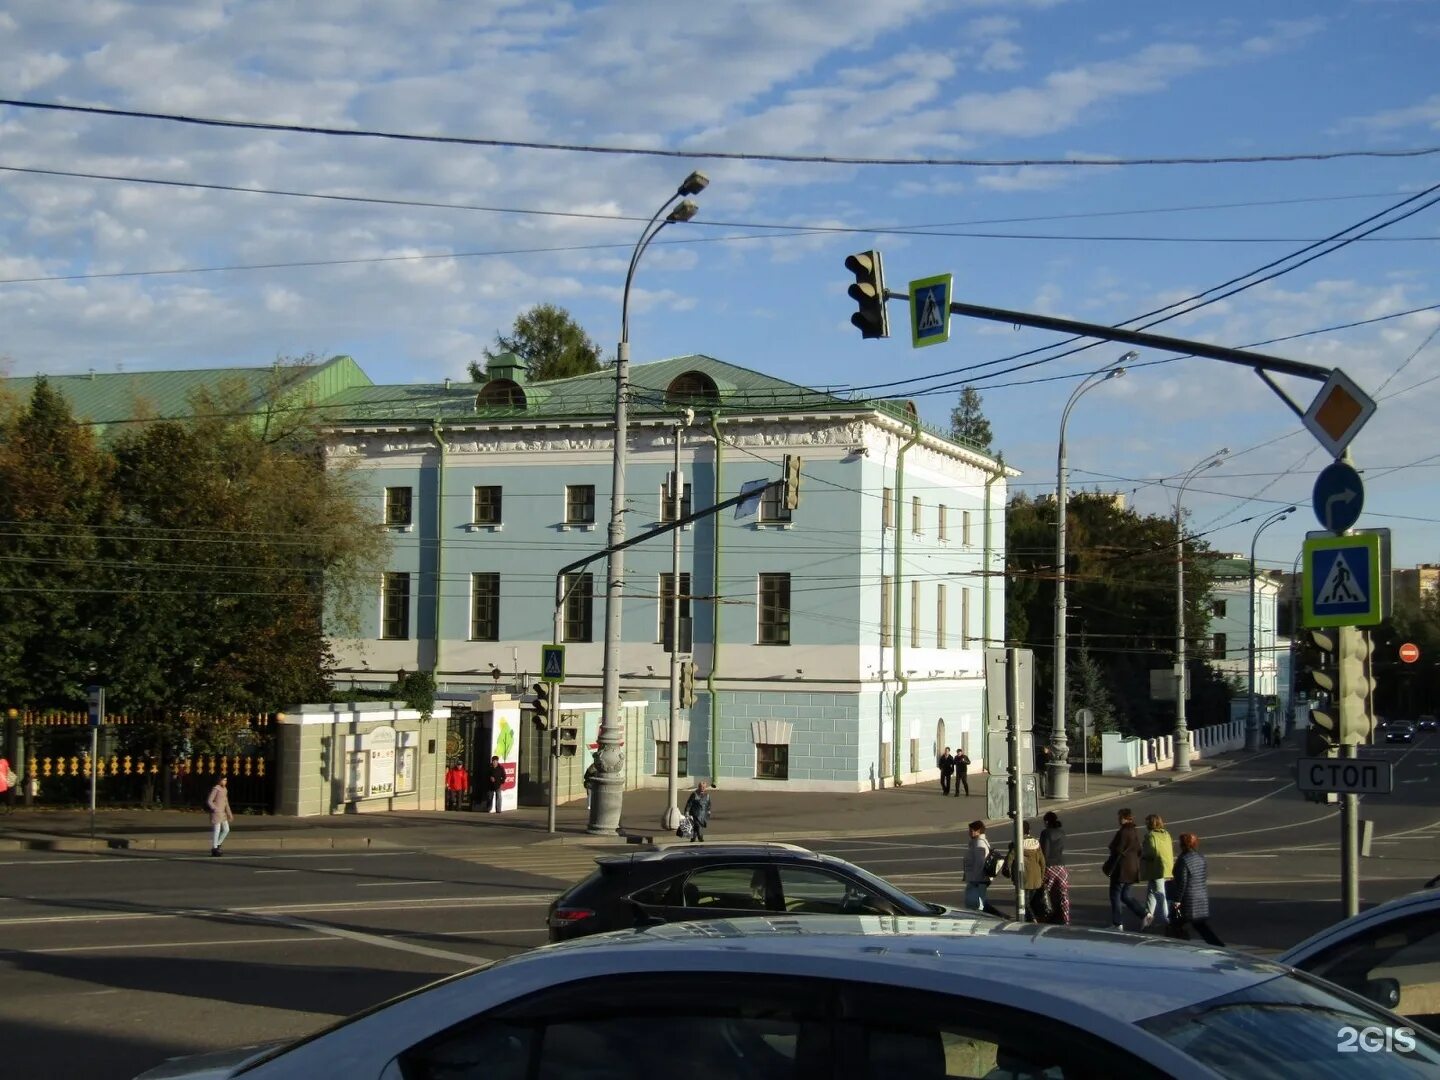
x,y
552,663
930,310
1342,585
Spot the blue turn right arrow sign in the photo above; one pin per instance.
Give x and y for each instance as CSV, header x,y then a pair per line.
x,y
1338,498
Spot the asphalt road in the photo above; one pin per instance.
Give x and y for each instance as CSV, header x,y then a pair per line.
x,y
113,962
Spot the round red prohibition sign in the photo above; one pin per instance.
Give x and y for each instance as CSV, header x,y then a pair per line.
x,y
1409,652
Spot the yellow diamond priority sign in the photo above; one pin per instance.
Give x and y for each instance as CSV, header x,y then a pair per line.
x,y
1338,412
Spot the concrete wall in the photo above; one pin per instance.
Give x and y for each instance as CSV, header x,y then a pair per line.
x,y
1130,756
314,740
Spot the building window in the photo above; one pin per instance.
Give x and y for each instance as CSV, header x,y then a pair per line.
x,y
395,607
1218,647
887,508
580,504
916,519
667,501
944,525
1217,608
667,594
914,614
487,506
964,618
772,505
887,602
965,527
484,607
940,616
772,762
774,609
398,506
579,607
662,759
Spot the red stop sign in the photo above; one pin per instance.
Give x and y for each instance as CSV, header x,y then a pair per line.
x,y
1409,652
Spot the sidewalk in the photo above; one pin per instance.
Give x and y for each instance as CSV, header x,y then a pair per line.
x,y
737,815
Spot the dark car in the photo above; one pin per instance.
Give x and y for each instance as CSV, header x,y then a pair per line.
x,y
1428,723
1399,731
685,882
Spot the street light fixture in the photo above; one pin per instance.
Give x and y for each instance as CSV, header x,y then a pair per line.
x,y
1252,724
1059,740
1182,734
609,780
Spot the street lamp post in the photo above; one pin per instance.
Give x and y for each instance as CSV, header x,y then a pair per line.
x,y
1059,739
1252,723
1182,734
609,781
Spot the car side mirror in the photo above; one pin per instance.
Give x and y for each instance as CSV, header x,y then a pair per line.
x,y
1384,992
645,918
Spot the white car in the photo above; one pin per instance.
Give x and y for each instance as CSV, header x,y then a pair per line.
x,y
1389,954
840,997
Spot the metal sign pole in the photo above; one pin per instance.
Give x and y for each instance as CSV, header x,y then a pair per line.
x,y
1017,796
1350,845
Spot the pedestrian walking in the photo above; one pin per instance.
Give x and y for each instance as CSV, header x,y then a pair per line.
x,y
1043,756
1057,874
218,802
962,772
978,869
454,786
1192,893
9,783
697,809
589,782
1122,867
494,784
1031,868
1157,863
947,769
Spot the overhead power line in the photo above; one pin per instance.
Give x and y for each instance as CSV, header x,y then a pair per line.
x,y
712,155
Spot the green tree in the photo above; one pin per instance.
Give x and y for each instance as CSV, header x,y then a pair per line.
x,y
967,420
54,506
1120,591
551,344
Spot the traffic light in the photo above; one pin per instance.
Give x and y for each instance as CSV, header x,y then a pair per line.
x,y
869,292
540,710
1317,661
1356,686
567,742
792,481
687,684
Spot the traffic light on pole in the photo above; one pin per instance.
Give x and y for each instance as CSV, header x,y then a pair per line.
x,y
687,684
1356,685
869,292
540,710
1318,663
792,481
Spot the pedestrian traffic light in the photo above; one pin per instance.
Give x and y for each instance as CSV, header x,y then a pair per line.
x,y
792,481
1356,686
869,292
687,684
1317,661
540,710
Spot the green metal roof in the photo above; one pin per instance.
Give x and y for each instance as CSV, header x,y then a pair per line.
x,y
113,398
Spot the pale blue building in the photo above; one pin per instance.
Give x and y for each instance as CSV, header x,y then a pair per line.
x,y
836,647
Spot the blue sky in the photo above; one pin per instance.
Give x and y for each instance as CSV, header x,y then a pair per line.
x,y
414,293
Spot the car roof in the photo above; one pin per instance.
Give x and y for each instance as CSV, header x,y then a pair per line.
x,y
1135,976
735,851
1423,900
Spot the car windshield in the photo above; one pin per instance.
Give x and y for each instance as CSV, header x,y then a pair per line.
x,y
1295,1026
911,905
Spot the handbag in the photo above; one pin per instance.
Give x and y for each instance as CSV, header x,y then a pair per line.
x,y
687,827
1040,904
1108,866
992,863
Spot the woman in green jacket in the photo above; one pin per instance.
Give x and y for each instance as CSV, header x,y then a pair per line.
x,y
1157,863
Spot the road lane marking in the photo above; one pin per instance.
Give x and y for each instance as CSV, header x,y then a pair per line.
x,y
434,903
297,938
394,884
385,943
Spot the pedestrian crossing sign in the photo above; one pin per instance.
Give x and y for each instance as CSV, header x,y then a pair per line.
x,y
930,310
552,663
1342,585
